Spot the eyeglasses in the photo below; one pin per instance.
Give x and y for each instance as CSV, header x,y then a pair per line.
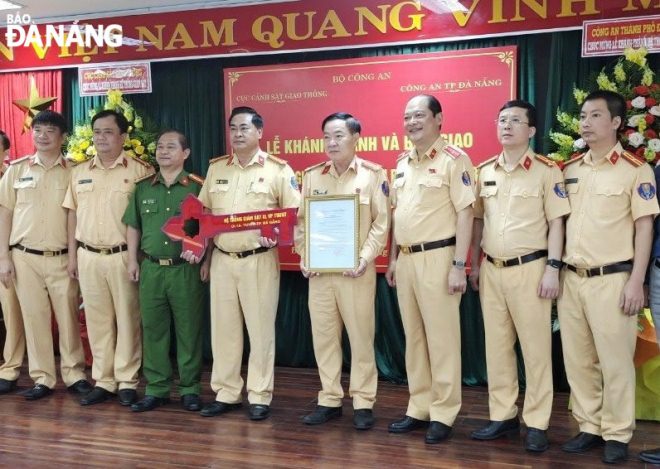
x,y
514,121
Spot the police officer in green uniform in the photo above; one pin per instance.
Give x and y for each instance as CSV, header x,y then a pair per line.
x,y
171,289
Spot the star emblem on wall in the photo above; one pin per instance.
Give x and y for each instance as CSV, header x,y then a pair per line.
x,y
33,104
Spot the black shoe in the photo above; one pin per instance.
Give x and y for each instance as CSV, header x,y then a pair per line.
x,y
496,429
536,440
149,403
96,396
258,411
615,452
7,386
321,415
437,432
363,419
582,442
37,392
81,386
217,408
191,402
127,397
651,456
406,424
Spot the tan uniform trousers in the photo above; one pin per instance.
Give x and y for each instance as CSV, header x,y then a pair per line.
x,y
113,319
431,321
14,349
599,344
334,298
247,290
511,306
42,282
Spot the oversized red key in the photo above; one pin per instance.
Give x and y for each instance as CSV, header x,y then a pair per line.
x,y
193,227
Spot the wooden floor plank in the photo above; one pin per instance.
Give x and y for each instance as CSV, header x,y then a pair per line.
x,y
58,432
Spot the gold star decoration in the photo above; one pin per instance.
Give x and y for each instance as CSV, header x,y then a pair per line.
x,y
33,104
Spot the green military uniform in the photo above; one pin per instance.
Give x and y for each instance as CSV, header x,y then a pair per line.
x,y
167,292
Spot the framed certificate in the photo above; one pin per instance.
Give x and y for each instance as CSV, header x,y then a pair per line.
x,y
331,233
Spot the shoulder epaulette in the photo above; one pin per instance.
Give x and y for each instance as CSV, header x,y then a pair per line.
x,y
632,159
488,161
371,165
277,160
315,166
574,159
198,179
403,155
218,158
144,178
453,151
545,160
142,162
19,160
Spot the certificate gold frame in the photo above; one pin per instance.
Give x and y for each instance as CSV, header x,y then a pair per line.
x,y
332,233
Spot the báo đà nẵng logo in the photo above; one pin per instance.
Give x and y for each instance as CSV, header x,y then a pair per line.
x,y
22,32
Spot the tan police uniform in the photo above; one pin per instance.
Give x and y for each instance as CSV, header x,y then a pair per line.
x,y
245,286
34,194
99,197
427,192
598,339
14,348
516,206
336,300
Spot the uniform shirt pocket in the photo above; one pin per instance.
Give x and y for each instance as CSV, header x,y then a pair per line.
x,y
431,189
488,193
257,195
610,198
526,202
26,192
218,195
84,193
148,207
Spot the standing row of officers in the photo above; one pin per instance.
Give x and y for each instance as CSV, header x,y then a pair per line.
x,y
582,235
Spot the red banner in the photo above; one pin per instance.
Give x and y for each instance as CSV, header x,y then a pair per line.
x,y
299,25
294,99
612,37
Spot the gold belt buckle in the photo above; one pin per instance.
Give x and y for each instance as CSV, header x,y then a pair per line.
x,y
582,272
498,263
105,251
404,249
49,254
233,255
165,261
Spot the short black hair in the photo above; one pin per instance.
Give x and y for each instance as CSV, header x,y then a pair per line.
x,y
528,107
353,125
616,103
433,104
121,121
6,143
183,140
257,120
49,117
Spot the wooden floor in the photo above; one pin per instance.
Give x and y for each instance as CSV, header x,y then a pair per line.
x,y
58,432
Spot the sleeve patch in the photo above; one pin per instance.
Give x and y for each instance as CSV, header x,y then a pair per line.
x,y
646,190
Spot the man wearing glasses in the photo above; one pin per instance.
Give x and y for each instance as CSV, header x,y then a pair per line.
x,y
519,225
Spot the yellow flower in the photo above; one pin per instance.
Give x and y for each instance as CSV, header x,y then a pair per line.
x,y
647,77
114,97
561,139
131,153
649,155
138,122
619,73
139,150
135,142
151,147
636,56
91,151
568,122
555,156
604,83
84,144
128,114
641,126
579,95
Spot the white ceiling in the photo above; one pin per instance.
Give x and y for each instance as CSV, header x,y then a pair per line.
x,y
49,11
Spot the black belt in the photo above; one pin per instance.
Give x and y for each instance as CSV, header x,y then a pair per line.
x,y
532,256
241,255
165,261
623,266
20,247
428,246
106,251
